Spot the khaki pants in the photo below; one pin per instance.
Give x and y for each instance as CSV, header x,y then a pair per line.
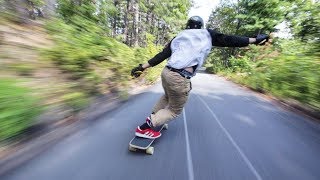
x,y
170,105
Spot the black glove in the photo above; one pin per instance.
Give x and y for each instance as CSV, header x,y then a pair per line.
x,y
137,71
261,39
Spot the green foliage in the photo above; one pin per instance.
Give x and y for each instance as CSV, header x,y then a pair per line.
x,y
286,68
77,48
293,74
214,64
162,18
223,18
240,65
304,18
295,78
70,9
83,46
146,53
18,109
256,16
246,18
150,49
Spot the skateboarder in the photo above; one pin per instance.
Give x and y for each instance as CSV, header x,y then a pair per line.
x,y
187,53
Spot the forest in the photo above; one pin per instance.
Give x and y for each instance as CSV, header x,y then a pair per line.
x,y
285,67
58,55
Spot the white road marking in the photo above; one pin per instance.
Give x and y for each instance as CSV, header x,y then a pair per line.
x,y
189,157
244,157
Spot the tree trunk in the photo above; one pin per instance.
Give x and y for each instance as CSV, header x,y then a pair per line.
x,y
152,23
158,31
234,49
114,25
126,24
136,24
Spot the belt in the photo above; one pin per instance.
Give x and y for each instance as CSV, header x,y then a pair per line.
x,y
184,73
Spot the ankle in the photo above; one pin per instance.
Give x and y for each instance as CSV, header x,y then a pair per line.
x,y
149,122
144,126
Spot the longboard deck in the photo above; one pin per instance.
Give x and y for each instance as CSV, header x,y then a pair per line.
x,y
144,143
141,143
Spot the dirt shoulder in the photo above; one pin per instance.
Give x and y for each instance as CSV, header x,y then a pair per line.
x,y
20,54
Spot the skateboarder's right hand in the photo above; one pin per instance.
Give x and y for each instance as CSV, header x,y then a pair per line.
x,y
261,39
137,71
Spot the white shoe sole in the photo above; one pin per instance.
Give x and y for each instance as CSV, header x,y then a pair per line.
x,y
145,136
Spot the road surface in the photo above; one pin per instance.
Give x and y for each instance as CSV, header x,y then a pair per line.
x,y
224,133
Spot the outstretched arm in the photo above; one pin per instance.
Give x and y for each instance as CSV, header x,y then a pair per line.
x,y
222,40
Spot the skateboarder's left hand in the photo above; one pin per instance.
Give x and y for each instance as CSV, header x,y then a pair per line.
x,y
137,71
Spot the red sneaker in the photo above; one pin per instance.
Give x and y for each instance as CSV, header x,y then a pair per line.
x,y
147,133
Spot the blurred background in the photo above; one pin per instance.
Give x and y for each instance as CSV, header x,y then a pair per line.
x,y
59,56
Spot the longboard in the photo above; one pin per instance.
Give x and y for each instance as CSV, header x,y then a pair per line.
x,y
144,143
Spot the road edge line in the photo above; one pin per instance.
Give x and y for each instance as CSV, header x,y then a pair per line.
x,y
189,156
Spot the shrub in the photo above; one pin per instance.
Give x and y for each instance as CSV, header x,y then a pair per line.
x,y
291,70
80,47
294,74
18,109
240,64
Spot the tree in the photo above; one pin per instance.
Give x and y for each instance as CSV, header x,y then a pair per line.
x,y
246,18
304,18
258,16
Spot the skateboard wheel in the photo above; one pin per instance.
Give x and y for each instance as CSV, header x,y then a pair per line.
x,y
165,126
132,148
150,150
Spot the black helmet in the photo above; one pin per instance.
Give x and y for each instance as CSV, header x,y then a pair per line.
x,y
195,22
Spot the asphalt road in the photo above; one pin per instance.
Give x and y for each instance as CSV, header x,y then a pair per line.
x,y
224,133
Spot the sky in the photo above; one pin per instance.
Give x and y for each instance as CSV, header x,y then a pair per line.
x,y
203,8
